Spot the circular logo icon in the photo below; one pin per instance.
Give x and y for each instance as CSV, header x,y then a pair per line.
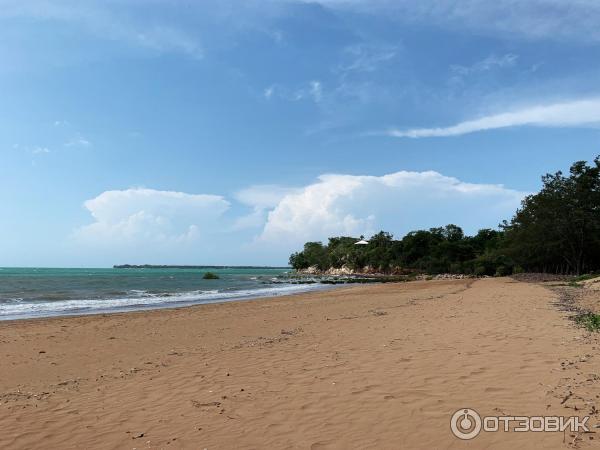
x,y
465,424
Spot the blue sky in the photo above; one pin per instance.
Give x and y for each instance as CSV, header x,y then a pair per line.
x,y
231,132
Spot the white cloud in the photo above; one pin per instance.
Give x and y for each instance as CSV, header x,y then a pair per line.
x,y
486,64
140,216
268,92
316,91
36,150
106,22
261,198
78,142
398,202
263,195
533,19
366,58
147,225
313,90
580,113
166,39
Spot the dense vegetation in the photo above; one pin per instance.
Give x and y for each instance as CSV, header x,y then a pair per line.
x,y
556,230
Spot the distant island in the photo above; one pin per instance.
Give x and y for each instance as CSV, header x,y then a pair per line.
x,y
154,266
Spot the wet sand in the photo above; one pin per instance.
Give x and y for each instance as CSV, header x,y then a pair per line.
x,y
380,366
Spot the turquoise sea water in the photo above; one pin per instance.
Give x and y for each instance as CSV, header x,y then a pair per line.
x,y
31,292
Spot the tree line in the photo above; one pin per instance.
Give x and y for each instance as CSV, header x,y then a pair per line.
x,y
556,230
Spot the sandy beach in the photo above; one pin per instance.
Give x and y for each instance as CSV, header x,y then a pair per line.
x,y
378,366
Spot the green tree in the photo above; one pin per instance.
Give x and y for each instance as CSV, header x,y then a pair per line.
x,y
558,229
313,254
379,251
555,230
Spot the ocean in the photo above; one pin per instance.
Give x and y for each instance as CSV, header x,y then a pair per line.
x,y
44,292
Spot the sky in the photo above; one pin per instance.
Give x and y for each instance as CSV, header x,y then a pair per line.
x,y
231,132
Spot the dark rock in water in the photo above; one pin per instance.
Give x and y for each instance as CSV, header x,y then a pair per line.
x,y
210,276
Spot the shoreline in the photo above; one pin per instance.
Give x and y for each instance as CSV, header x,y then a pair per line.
x,y
155,293
175,307
355,367
301,289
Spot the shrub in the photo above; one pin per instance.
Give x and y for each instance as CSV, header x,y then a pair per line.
x,y
518,269
502,271
480,271
456,268
586,276
589,321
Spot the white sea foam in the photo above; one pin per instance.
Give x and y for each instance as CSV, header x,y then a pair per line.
x,y
139,299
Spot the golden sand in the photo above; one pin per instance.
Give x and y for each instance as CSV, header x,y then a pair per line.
x,y
380,366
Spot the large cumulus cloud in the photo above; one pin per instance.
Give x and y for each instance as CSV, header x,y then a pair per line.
x,y
397,202
166,221
263,224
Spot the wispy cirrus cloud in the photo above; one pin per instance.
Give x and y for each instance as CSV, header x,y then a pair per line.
x,y
107,22
351,81
486,64
578,113
365,57
35,150
313,90
78,141
531,19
